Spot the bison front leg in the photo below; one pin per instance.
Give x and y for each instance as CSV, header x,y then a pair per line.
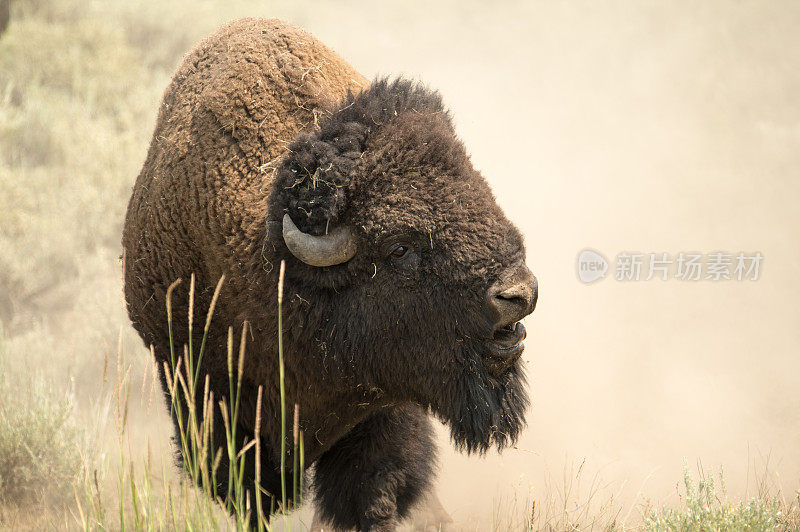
x,y
373,476
428,516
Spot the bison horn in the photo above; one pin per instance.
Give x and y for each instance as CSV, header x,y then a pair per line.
x,y
326,250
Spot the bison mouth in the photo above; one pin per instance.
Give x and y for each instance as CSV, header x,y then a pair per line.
x,y
486,405
505,347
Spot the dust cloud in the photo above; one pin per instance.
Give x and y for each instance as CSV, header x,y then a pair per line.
x,y
644,127
622,127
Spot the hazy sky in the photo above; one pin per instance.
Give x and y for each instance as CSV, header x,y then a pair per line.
x,y
638,127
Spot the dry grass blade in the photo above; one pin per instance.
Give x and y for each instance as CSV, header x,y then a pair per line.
x,y
170,289
245,448
191,305
280,281
240,362
214,302
167,376
154,364
230,353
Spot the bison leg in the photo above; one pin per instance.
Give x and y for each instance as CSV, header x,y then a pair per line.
x,y
431,515
373,477
428,516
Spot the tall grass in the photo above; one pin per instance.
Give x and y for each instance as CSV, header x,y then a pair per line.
x,y
137,506
571,502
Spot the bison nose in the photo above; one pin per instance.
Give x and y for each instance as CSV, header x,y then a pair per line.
x,y
513,297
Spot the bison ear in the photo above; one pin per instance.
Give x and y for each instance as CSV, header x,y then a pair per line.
x,y
317,175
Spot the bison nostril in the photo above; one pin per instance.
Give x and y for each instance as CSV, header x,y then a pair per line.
x,y
512,298
511,307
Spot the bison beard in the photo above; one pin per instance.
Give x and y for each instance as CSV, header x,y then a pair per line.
x,y
375,334
486,411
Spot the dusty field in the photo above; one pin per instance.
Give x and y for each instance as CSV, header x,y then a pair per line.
x,y
617,126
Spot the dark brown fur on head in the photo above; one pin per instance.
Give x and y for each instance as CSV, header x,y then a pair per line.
x,y
389,164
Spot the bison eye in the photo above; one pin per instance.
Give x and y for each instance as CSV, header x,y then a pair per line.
x,y
399,251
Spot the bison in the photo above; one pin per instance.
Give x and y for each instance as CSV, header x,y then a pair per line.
x,y
404,286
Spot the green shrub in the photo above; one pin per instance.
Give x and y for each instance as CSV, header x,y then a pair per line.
x,y
40,442
705,510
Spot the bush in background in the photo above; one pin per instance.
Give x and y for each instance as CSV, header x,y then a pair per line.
x,y
708,510
40,441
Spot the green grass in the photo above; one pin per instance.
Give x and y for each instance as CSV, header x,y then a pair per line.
x,y
706,508
138,505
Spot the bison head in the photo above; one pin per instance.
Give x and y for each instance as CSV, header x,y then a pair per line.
x,y
414,279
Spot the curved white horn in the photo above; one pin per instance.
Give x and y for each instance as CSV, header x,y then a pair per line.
x,y
334,248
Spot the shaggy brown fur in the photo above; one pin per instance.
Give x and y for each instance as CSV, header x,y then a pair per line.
x,y
261,120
